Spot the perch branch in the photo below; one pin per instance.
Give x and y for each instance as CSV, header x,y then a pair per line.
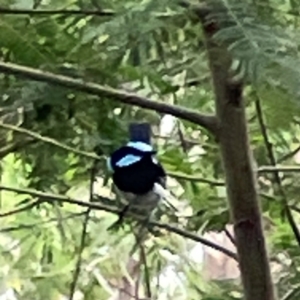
x,y
107,208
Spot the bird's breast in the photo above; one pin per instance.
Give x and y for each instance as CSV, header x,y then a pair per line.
x,y
149,199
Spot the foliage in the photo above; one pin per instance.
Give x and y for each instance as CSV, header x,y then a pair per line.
x,y
154,48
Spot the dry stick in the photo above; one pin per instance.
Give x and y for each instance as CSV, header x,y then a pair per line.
x,y
278,184
170,228
204,120
240,179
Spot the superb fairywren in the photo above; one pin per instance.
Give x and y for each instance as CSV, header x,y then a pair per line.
x,y
137,174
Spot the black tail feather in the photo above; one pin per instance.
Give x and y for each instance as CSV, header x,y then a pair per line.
x,y
140,132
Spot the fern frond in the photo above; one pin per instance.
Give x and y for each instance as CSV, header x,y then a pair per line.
x,y
263,53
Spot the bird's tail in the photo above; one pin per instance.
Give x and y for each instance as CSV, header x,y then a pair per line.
x,y
165,196
140,132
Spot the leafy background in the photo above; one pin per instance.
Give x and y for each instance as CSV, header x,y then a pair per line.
x,y
155,49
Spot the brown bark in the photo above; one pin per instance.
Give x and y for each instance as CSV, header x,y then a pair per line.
x,y
240,178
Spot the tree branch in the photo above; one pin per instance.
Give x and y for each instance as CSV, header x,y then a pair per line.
x,y
288,155
15,146
192,178
238,167
261,170
48,140
274,169
276,178
50,12
21,209
207,121
83,233
107,208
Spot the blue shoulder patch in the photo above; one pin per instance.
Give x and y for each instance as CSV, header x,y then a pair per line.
x,y
127,155
128,160
140,146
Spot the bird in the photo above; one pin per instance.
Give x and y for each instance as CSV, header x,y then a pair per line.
x,y
136,172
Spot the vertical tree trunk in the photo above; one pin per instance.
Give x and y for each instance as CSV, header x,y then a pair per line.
x,y
240,178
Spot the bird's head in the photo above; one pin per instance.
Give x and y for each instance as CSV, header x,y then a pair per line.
x,y
127,155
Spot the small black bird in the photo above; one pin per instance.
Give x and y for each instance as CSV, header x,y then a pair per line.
x,y
136,172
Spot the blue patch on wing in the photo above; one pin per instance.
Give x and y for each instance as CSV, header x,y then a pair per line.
x,y
128,160
140,146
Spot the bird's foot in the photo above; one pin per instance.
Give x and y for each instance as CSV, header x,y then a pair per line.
x,y
116,225
119,223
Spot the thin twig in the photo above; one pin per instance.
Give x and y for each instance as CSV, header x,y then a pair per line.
x,y
38,224
83,233
188,177
195,238
116,211
146,271
21,209
292,294
207,121
51,12
48,140
295,208
276,179
183,142
289,155
15,146
230,236
261,171
60,198
276,169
